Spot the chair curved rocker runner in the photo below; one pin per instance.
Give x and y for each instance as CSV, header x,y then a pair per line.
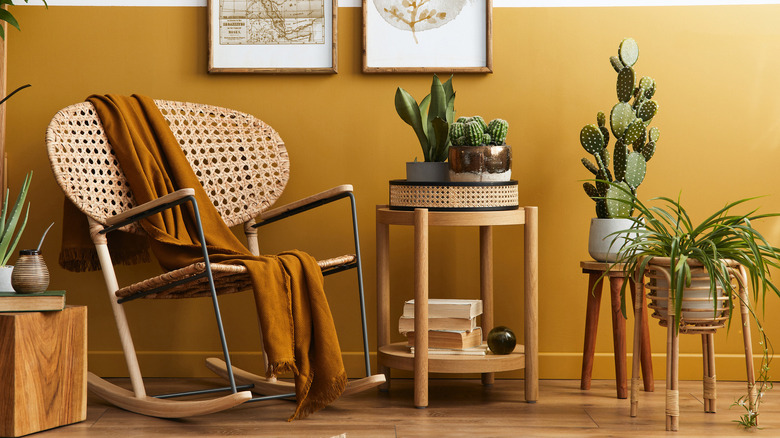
x,y
243,165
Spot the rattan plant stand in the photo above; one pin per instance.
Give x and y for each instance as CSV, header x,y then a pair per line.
x,y
696,319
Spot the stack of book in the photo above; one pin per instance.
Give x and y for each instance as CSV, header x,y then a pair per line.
x,y
452,326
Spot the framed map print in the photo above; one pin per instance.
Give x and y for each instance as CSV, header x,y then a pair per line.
x,y
411,36
272,36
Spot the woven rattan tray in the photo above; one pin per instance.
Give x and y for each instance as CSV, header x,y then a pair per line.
x,y
453,196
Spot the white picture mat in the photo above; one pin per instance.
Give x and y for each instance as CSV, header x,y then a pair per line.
x,y
459,43
272,56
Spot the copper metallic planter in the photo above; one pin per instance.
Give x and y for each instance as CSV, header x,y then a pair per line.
x,y
480,163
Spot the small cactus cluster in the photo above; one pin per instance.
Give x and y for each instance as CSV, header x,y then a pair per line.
x,y
628,122
473,131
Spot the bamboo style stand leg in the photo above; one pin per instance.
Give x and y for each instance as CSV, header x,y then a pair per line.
x,y
421,308
486,287
383,294
746,338
672,363
709,381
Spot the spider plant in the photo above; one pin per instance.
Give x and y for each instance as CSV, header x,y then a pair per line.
x,y
668,231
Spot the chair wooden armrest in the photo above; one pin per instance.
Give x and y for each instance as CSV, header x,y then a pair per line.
x,y
162,203
304,204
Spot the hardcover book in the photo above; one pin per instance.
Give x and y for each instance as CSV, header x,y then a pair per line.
x,y
450,339
36,302
476,351
447,308
406,324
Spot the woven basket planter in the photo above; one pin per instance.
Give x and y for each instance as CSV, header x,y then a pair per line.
x,y
701,313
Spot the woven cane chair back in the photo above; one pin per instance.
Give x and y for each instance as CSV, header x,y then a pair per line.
x,y
240,161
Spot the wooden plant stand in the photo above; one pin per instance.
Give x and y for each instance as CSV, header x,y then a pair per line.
x,y
616,278
398,356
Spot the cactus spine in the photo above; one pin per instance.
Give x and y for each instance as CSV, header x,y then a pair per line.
x,y
628,122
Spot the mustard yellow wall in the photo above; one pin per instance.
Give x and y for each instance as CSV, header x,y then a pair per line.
x,y
718,92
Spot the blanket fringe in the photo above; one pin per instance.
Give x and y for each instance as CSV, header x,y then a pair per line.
x,y
309,405
86,259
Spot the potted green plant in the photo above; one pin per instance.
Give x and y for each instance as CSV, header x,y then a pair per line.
x,y
431,120
665,238
628,121
9,235
478,150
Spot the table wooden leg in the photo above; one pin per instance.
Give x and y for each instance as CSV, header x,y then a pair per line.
x,y
646,351
486,287
618,337
531,300
383,296
421,308
635,359
591,327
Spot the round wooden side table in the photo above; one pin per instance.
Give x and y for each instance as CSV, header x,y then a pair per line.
x,y
398,356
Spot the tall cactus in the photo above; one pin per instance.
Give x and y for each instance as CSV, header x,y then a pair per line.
x,y
628,121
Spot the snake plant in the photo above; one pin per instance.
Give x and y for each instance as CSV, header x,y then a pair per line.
x,y
431,118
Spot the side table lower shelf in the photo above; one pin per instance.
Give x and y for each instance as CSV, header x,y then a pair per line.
x,y
398,356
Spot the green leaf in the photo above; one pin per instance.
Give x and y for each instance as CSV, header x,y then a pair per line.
x,y
424,111
441,130
7,232
9,18
409,111
12,246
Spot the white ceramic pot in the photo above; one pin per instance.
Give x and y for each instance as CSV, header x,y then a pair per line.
x,y
698,304
427,171
603,247
5,278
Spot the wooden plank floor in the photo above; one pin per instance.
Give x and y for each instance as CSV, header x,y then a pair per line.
x,y
458,408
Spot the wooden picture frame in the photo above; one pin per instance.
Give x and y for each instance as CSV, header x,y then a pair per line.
x,y
243,41
456,38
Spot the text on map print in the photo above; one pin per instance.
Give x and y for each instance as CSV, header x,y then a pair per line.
x,y
271,22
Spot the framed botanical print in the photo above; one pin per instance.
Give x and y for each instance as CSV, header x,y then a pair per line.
x,y
278,36
411,36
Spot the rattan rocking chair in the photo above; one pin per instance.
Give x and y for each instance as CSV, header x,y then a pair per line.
x,y
243,165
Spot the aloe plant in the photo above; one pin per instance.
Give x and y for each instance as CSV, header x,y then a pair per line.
x,y
431,118
9,236
628,122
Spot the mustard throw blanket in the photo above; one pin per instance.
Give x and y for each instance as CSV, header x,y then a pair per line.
x,y
298,330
